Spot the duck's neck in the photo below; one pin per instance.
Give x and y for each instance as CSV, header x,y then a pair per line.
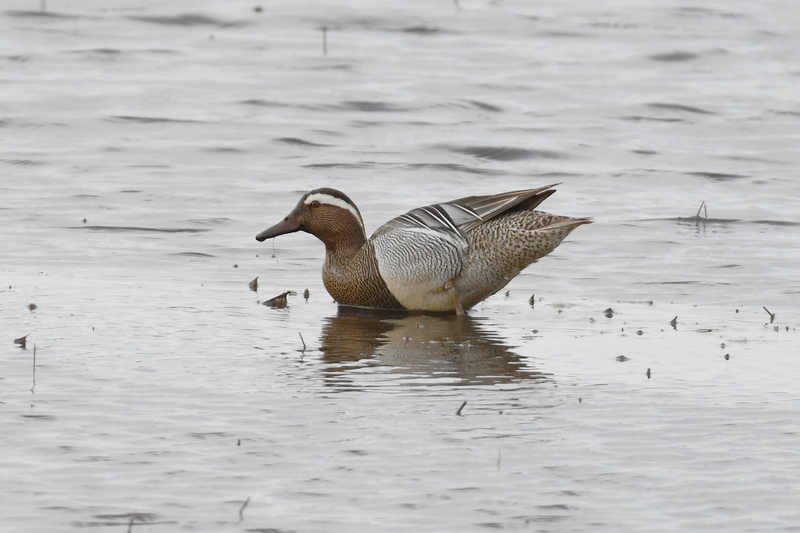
x,y
345,246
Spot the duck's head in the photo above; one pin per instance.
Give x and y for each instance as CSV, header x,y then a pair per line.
x,y
326,213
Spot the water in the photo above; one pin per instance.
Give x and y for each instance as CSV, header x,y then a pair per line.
x,y
145,144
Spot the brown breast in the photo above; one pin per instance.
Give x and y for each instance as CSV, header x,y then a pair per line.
x,y
355,280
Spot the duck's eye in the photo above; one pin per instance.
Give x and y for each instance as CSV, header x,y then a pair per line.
x,y
314,204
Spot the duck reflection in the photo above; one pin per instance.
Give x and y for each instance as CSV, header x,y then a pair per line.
x,y
441,349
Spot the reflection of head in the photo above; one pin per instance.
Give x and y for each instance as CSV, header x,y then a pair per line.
x,y
451,349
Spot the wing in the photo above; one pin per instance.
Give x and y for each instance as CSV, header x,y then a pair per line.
x,y
419,264
456,218
488,207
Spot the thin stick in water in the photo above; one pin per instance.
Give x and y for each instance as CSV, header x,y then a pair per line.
x,y
324,40
304,342
702,208
241,516
34,368
458,413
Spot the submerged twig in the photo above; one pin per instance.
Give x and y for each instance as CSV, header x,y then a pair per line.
x,y
771,315
241,516
324,40
34,368
702,208
304,342
460,408
134,516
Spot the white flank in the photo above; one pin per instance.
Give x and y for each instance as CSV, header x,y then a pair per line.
x,y
332,200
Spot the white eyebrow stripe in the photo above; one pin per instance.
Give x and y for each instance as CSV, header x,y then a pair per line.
x,y
323,198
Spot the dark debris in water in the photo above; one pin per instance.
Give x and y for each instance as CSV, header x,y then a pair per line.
x,y
622,358
253,285
279,301
22,341
609,313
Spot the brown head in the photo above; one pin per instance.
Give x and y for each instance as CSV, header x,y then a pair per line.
x,y
327,214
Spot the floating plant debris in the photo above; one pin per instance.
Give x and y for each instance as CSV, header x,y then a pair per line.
x,y
21,341
279,301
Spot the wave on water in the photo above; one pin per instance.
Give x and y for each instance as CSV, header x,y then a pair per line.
x,y
504,153
140,229
187,19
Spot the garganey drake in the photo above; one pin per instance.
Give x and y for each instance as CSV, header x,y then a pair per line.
x,y
443,257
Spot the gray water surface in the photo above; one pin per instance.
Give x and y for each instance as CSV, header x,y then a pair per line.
x,y
145,144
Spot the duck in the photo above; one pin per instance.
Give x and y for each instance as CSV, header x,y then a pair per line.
x,y
444,257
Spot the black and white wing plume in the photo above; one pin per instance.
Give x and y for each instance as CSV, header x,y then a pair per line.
x,y
456,218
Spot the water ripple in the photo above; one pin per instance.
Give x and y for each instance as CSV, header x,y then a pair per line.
x,y
122,229
187,20
504,153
